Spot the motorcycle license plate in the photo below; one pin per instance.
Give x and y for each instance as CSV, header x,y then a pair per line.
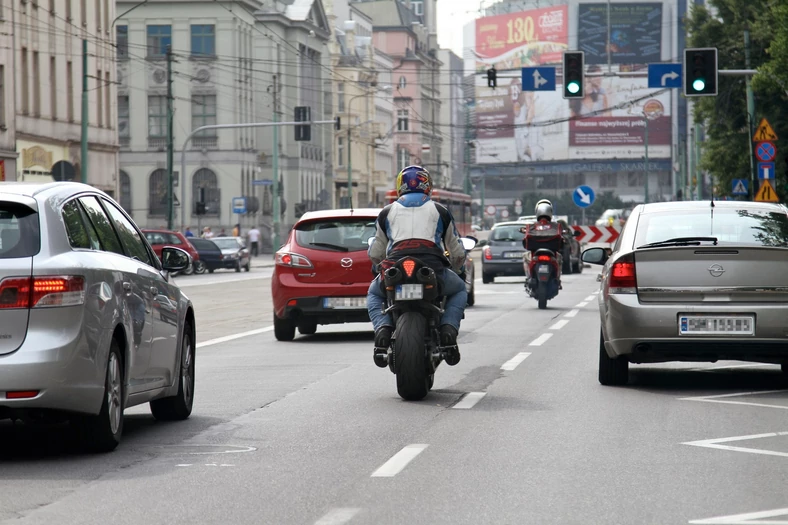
x,y
408,292
543,269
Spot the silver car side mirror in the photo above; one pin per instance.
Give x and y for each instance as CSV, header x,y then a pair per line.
x,y
174,259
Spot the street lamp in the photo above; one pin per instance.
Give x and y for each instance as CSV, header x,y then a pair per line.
x,y
387,89
646,117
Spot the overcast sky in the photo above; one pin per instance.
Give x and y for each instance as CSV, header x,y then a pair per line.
x,y
452,17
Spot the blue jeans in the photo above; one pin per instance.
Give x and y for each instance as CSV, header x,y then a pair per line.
x,y
453,288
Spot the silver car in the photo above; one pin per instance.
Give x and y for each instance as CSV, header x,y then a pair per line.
x,y
694,281
89,322
235,255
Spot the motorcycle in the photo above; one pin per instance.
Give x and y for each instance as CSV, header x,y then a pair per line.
x,y
543,284
415,301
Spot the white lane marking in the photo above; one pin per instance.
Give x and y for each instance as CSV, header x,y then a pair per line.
x,y
746,519
560,324
233,337
338,516
590,298
542,339
469,400
721,399
715,443
399,461
750,365
571,313
581,305
184,465
512,363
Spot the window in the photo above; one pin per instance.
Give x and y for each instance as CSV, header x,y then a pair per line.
x,y
104,230
2,96
341,97
68,11
340,151
83,11
204,114
106,16
206,180
124,129
203,40
403,159
159,37
157,116
157,193
418,7
107,105
129,236
25,84
608,180
125,191
20,232
349,235
635,180
98,14
70,91
403,82
99,106
36,86
53,88
402,120
122,41
79,230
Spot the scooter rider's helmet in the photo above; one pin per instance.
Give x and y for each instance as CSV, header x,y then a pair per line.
x,y
414,179
544,210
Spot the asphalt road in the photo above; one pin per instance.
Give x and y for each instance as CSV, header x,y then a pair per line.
x,y
520,432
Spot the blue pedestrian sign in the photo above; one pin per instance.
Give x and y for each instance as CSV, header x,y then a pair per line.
x,y
664,75
740,187
239,205
765,170
262,182
538,79
583,196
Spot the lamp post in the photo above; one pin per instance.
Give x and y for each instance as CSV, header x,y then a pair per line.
x,y
646,117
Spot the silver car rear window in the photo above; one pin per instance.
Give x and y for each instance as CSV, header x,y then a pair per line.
x,y
507,233
20,234
728,225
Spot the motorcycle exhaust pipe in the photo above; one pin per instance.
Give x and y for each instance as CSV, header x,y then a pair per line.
x,y
392,273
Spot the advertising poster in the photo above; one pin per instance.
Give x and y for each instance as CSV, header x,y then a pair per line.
x,y
523,39
635,33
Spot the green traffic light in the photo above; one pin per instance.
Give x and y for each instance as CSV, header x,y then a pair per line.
x,y
573,87
698,84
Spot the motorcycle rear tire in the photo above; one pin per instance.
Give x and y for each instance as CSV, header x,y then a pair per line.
x,y
410,353
541,296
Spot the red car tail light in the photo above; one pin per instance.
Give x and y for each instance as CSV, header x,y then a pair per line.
x,y
409,265
623,279
293,260
41,292
487,253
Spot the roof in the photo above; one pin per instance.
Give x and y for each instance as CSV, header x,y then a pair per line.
x,y
31,189
299,10
340,214
388,13
700,205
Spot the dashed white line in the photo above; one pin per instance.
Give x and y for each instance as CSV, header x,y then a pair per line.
x,y
512,363
233,337
338,516
542,339
560,324
571,313
399,461
469,400
581,305
591,298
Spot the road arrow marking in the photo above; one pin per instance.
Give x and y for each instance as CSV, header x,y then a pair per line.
x,y
751,518
538,80
672,76
716,443
584,197
723,398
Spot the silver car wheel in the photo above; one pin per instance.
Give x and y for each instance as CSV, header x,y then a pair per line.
x,y
186,371
114,393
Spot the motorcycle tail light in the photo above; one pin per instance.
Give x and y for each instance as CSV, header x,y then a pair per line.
x,y
623,279
409,265
543,258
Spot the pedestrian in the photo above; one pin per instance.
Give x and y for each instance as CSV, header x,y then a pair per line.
x,y
207,233
237,230
222,233
254,240
188,232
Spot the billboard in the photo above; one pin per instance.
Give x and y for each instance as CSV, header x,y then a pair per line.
x,y
635,33
526,38
521,126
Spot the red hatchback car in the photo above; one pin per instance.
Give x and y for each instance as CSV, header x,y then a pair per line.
x,y
159,239
322,273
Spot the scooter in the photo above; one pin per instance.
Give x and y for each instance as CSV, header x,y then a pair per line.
x,y
544,282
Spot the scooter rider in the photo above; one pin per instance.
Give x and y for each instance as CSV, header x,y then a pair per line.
x,y
416,225
544,218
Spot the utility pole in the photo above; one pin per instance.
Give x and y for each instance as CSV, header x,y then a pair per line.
x,y
645,167
349,161
698,171
83,163
691,164
750,111
682,170
170,151
275,166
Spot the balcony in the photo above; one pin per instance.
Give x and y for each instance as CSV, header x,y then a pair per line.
x,y
205,142
124,142
157,143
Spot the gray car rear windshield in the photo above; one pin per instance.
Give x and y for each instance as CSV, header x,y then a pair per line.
x,y
728,225
336,235
507,233
20,235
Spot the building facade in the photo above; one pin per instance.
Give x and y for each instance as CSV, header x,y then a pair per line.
x,y
213,82
385,116
45,77
452,116
8,154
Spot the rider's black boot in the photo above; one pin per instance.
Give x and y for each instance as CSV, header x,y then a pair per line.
x,y
382,344
449,344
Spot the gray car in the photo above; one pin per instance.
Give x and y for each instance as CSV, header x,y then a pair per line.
x,y
235,255
694,281
90,323
503,255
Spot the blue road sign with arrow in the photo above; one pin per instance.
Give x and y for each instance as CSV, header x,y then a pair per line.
x,y
583,196
664,75
740,186
538,79
765,170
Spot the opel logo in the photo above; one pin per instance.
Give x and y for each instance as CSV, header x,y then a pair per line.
x,y
346,262
716,270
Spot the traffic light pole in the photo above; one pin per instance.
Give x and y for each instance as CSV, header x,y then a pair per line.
x,y
750,111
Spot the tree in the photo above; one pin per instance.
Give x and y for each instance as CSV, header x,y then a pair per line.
x,y
726,148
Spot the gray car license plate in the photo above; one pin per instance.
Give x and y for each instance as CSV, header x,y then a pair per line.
x,y
409,292
513,255
716,325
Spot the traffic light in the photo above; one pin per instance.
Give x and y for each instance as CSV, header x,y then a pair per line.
x,y
573,74
492,78
337,124
700,72
303,132
200,208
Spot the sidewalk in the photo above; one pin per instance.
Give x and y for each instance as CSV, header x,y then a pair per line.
x,y
264,260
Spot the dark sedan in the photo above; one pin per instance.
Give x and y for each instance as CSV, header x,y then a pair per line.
x,y
572,251
503,255
210,255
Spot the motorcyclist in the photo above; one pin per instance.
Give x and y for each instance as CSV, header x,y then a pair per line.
x,y
416,225
544,219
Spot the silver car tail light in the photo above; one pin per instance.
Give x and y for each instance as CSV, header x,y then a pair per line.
x,y
623,279
41,292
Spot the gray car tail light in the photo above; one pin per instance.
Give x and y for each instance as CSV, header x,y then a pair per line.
x,y
623,278
41,292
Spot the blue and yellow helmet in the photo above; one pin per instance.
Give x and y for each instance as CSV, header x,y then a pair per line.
x,y
414,179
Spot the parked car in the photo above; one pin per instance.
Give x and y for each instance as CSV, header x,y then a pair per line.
x,y
503,254
235,255
159,239
572,250
210,255
322,272
694,281
86,343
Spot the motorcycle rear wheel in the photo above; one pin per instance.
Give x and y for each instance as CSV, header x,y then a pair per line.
x,y
410,354
541,296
